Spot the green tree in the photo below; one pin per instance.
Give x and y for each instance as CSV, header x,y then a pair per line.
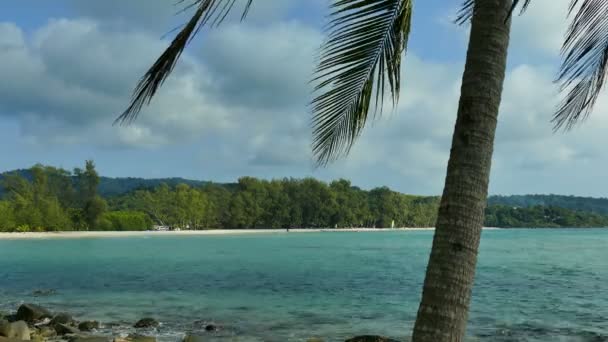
x,y
125,221
7,217
363,54
92,205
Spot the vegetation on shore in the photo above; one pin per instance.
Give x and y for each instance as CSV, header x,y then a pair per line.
x,y
51,199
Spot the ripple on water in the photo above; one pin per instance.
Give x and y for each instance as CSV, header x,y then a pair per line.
x,y
549,285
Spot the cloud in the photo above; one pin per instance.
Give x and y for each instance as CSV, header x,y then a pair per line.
x,y
73,76
236,103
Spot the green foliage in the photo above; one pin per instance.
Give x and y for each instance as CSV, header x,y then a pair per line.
x,y
47,201
124,221
286,203
7,217
50,199
542,217
93,206
596,205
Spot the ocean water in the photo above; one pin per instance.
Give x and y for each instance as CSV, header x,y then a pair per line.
x,y
531,285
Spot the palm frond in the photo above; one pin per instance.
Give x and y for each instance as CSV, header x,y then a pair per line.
x,y
468,8
585,64
208,12
362,54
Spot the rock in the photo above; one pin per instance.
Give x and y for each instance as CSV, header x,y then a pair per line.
x,y
315,339
62,318
10,318
193,338
146,323
370,338
211,327
6,339
44,292
4,325
64,329
18,330
32,313
45,332
80,338
88,325
140,338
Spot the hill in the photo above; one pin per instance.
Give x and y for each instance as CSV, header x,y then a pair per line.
x,y
588,204
111,187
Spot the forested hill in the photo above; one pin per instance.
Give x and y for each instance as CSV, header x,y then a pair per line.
x,y
45,198
589,204
111,187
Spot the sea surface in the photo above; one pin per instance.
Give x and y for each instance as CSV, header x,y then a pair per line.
x,y
531,285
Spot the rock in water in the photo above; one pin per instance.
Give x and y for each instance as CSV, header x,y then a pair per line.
x,y
146,323
370,338
78,338
45,332
62,318
140,338
32,313
6,339
315,339
45,292
88,325
64,329
18,330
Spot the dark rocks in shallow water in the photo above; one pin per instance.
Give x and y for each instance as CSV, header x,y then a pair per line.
x,y
62,318
6,339
370,338
211,327
88,325
32,313
18,330
64,329
79,338
44,292
45,332
10,318
147,323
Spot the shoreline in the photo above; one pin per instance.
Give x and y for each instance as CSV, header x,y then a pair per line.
x,y
210,232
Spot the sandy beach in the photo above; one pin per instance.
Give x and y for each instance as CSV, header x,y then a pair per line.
x,y
96,234
104,234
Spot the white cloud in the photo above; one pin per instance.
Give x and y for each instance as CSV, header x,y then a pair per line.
x,y
239,98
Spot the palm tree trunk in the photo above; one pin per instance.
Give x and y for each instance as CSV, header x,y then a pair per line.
x,y
450,274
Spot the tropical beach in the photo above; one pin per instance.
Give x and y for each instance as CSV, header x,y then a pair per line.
x,y
303,171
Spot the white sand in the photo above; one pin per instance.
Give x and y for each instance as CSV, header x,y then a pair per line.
x,y
79,234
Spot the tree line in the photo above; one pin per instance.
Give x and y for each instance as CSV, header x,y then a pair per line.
x,y
53,199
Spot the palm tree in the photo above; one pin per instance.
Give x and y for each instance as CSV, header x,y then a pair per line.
x,y
362,55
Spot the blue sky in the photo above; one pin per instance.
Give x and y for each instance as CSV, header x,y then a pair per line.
x,y
236,104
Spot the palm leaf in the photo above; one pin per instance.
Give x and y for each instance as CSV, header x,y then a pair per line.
x,y
208,12
361,55
584,67
585,57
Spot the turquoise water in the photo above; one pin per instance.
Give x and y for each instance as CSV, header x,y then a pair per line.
x,y
532,285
